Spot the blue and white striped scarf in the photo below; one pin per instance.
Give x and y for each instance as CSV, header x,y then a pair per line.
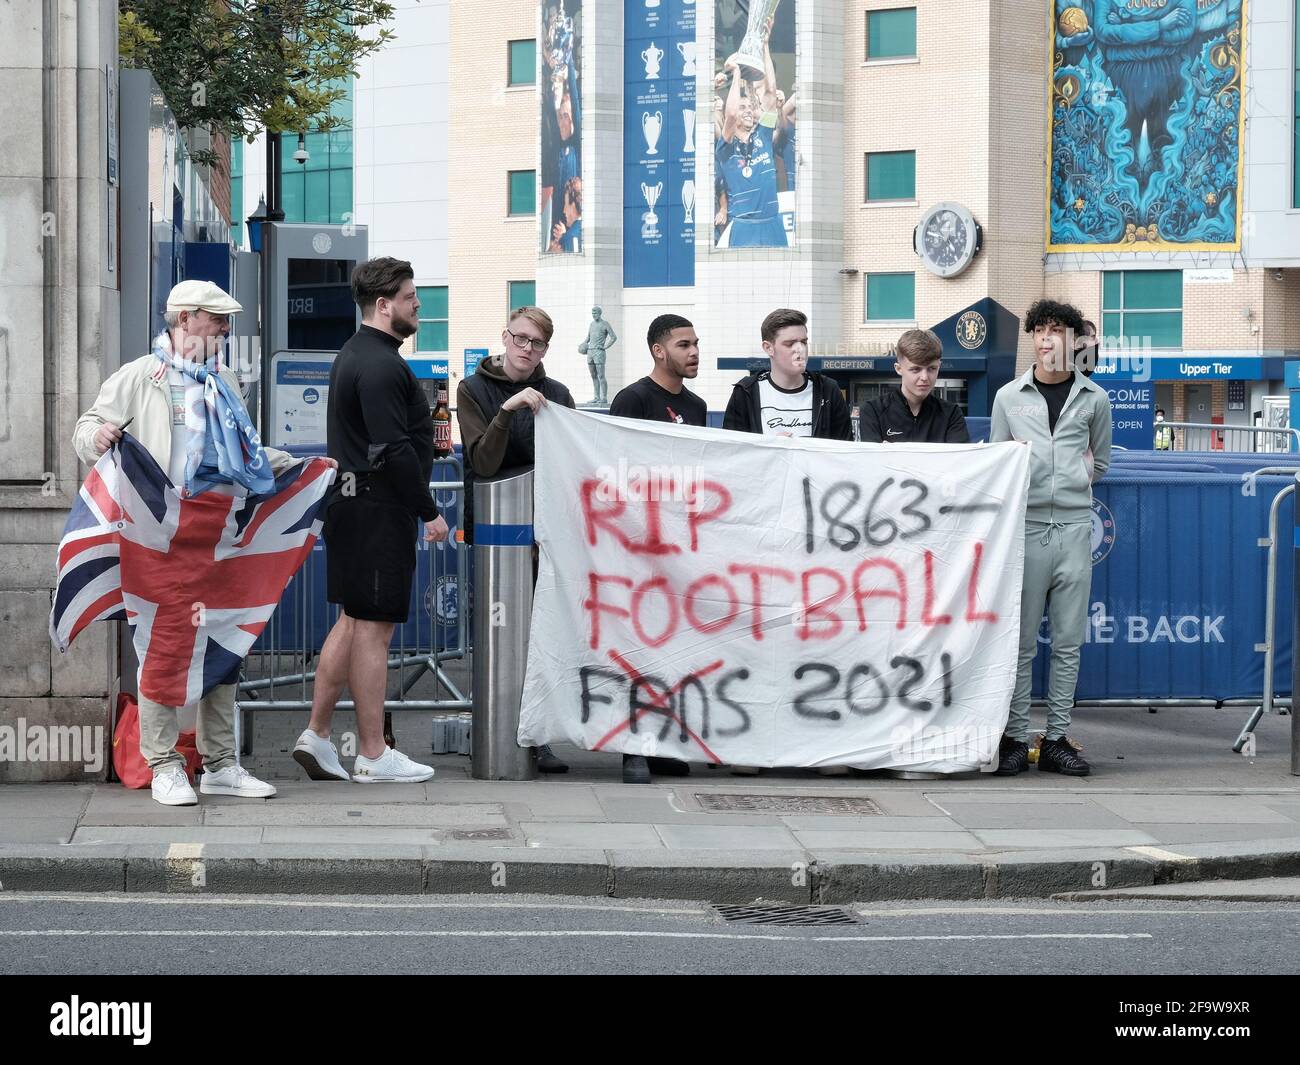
x,y
222,447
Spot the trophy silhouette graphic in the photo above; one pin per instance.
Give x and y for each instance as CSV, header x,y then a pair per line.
x,y
688,121
652,126
687,49
650,220
652,57
750,52
688,200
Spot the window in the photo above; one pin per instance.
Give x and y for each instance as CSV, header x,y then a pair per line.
x,y
320,190
890,176
522,294
891,34
523,192
237,191
432,335
1142,308
523,63
891,297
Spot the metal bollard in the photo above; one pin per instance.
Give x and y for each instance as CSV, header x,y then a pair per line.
x,y
503,607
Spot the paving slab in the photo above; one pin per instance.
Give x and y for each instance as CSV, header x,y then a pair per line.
x,y
590,835
817,840
1192,809
458,815
710,837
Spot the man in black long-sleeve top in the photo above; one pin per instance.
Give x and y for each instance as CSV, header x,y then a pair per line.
x,y
912,413
380,430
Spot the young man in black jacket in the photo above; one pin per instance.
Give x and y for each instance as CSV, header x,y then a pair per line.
x,y
787,400
495,406
912,413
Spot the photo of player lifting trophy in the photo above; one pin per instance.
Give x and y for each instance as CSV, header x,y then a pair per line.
x,y
754,129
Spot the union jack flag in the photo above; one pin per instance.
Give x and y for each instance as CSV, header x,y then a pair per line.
x,y
197,578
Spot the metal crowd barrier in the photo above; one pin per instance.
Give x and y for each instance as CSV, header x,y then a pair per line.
x,y
1252,439
279,670
1268,704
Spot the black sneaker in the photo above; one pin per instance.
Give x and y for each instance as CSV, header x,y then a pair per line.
x,y
548,763
669,767
1013,757
1057,756
635,769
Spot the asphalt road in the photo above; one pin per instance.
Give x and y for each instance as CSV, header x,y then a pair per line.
x,y
116,934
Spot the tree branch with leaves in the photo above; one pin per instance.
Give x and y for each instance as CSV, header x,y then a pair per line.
x,y
242,67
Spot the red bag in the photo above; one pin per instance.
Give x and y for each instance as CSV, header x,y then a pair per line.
x,y
128,763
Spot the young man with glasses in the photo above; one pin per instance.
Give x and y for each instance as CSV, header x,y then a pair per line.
x,y
495,407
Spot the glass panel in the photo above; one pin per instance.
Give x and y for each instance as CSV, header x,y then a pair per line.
x,y
237,209
522,294
292,192
1160,289
431,337
523,62
317,205
318,151
891,297
1110,326
342,108
340,149
1111,283
523,192
340,195
891,34
891,176
433,301
1157,329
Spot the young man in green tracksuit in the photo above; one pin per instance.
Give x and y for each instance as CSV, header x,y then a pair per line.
x,y
1066,420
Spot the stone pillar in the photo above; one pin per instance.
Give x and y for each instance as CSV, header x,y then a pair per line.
x,y
58,339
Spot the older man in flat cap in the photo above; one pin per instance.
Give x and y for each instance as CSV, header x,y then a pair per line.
x,y
203,442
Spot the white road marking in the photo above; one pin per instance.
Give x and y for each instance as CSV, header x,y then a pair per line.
x,y
501,933
333,904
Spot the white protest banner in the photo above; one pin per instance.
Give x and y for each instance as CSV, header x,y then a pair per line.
x,y
716,596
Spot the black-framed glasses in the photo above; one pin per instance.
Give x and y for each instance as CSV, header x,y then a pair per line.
x,y
525,342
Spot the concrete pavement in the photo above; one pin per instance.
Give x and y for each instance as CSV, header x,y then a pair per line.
x,y
1168,803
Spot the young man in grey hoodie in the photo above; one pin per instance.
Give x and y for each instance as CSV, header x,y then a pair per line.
x,y
1066,420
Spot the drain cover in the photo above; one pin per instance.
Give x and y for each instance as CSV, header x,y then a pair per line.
x,y
482,833
786,915
846,806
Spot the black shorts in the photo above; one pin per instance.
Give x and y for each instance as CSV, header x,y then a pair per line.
x,y
370,558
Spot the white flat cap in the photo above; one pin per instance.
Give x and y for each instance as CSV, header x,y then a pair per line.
x,y
201,296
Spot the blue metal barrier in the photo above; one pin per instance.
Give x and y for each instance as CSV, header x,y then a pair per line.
x,y
1178,588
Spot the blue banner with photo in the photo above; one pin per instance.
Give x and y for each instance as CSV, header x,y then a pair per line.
x,y
559,208
754,117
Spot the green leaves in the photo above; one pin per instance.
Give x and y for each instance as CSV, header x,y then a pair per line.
x,y
246,66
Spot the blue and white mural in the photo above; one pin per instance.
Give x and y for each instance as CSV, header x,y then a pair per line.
x,y
1146,125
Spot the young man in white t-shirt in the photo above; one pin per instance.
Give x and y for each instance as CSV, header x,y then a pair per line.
x,y
786,399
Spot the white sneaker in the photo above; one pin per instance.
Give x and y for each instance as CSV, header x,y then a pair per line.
x,y
171,787
320,758
235,780
390,766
